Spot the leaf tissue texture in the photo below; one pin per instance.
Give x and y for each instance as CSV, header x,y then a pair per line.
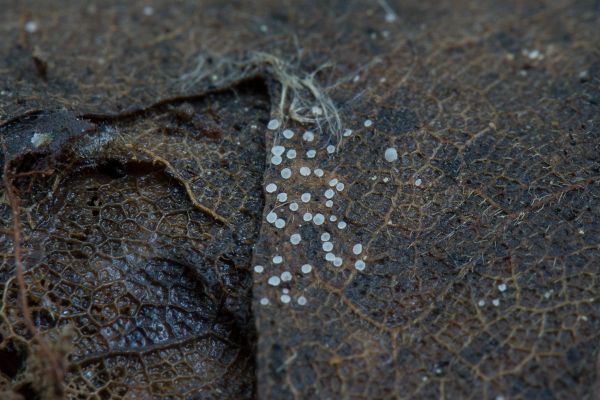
x,y
191,226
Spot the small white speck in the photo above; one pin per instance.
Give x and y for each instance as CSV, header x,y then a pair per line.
x,y
581,231
316,110
341,225
325,236
31,26
319,219
276,160
548,294
280,223
306,268
148,11
329,203
277,260
330,257
331,149
307,216
360,265
368,123
304,171
329,193
500,397
274,281
277,150
294,206
311,153
302,301
282,197
259,269
357,248
40,139
340,186
327,246
264,301
291,154
318,172
271,217
295,238
390,154
333,218
502,287
496,302
286,173
288,134
333,182
338,262
305,197
273,124
286,291
271,187
308,136
286,276
418,182
481,303
285,298
374,177
347,132
386,179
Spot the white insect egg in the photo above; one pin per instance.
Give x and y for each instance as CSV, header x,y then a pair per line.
x,y
276,160
340,186
331,149
360,265
308,136
316,110
481,303
318,219
306,268
282,197
327,246
357,248
264,301
330,257
288,133
286,276
496,302
338,262
329,193
274,281
259,269
301,301
271,217
318,172
311,153
271,187
277,150
368,123
295,238
333,182
285,298
279,223
148,11
325,236
502,287
333,218
273,124
341,225
307,217
304,171
329,203
291,154
277,260
305,197
286,173
347,132
391,154
418,182
294,206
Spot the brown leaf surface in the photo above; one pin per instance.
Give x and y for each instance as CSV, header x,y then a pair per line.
x,y
144,211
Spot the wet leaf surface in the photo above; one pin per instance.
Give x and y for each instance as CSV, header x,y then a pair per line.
x,y
147,216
